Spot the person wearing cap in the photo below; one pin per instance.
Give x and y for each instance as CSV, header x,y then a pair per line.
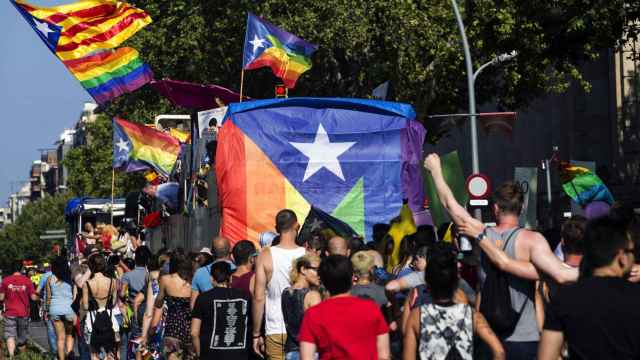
x,y
202,278
204,257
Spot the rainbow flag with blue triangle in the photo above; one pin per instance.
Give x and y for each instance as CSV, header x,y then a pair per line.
x,y
353,159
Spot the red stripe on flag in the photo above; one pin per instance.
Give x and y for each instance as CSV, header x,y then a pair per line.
x,y
231,176
97,57
150,136
80,27
113,31
100,10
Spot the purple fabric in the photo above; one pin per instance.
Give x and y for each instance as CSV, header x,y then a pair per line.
x,y
411,140
596,209
422,217
134,165
194,96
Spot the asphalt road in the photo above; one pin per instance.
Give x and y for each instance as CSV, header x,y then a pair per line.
x,y
38,334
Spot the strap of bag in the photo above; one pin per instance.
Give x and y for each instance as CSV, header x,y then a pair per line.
x,y
48,286
504,248
515,231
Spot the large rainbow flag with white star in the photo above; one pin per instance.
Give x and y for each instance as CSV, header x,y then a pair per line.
x,y
354,159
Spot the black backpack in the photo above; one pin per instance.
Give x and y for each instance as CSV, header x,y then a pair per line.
x,y
495,303
102,334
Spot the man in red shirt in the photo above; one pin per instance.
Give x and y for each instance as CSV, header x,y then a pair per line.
x,y
343,326
15,291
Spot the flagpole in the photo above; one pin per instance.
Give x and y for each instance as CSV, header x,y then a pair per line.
x,y
241,84
113,187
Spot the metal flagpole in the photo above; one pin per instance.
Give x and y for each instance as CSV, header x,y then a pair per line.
x,y
113,190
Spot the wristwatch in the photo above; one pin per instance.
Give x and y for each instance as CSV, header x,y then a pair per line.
x,y
481,236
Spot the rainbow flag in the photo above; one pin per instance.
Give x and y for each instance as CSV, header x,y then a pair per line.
x,y
287,55
110,73
139,147
345,157
582,185
74,30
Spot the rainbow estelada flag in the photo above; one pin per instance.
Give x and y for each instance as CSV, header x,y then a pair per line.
x,y
583,186
110,73
287,55
351,158
138,147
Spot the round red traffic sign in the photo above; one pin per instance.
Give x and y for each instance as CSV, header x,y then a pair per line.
x,y
478,186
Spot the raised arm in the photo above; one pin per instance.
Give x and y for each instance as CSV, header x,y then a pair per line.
x,y
458,214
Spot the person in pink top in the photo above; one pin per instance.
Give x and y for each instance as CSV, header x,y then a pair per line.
x,y
16,290
343,326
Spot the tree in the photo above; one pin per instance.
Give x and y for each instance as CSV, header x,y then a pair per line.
x,y
415,44
21,240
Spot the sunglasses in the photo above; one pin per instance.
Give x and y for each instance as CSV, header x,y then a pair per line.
x,y
314,268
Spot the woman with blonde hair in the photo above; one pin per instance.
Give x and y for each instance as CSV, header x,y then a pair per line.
x,y
297,298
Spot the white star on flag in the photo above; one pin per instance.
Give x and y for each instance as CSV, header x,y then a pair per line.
x,y
257,43
322,153
43,27
122,145
316,224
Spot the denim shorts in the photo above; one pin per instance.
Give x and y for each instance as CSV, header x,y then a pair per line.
x,y
70,317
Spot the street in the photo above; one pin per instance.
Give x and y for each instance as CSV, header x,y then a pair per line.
x,y
38,334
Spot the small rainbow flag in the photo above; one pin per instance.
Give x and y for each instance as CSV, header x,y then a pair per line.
x,y
74,30
582,185
287,55
138,147
110,73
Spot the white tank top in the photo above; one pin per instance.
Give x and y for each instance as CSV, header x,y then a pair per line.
x,y
281,259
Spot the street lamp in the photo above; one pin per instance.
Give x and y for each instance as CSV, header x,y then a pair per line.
x,y
471,77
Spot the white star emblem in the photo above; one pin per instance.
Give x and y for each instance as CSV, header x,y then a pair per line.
x,y
122,145
257,43
316,224
322,153
43,27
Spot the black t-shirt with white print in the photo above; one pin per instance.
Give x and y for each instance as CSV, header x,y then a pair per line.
x,y
225,332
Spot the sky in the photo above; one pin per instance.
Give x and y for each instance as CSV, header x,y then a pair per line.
x,y
39,98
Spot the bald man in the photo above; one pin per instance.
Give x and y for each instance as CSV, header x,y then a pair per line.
x,y
338,246
202,278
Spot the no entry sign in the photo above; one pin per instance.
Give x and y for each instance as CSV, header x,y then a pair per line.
x,y
478,186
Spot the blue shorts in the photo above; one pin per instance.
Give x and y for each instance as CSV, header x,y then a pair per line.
x,y
70,317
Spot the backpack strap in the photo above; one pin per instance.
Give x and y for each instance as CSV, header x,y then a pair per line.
x,y
511,236
504,248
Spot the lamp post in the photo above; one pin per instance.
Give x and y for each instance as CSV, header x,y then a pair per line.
x,y
471,77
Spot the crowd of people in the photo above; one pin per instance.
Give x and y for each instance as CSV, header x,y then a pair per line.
x,y
331,297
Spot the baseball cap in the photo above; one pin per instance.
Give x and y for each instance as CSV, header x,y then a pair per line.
x,y
206,250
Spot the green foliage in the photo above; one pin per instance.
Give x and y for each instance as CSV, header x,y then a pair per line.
x,y
89,165
415,44
21,240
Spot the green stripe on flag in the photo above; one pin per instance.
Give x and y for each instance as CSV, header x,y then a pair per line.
x,y
453,175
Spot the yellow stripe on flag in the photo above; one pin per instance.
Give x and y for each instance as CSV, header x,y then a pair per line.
x,y
111,43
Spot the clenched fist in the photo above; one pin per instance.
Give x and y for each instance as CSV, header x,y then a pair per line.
x,y
432,162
